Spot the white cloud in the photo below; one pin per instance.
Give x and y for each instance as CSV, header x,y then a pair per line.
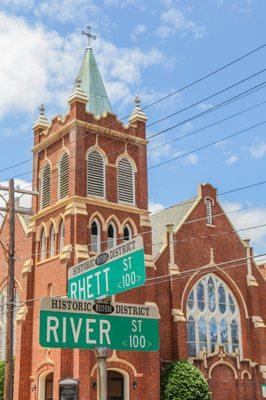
x,y
139,30
154,207
205,106
174,21
67,10
248,217
231,159
258,150
39,66
192,159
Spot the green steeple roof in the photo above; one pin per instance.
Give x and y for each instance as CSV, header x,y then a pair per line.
x,y
92,85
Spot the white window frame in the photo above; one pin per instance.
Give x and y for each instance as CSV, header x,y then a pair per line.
x,y
133,182
52,246
114,239
61,236
104,174
43,245
96,249
228,316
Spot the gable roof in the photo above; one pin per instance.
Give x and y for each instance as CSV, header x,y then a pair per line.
x,y
172,215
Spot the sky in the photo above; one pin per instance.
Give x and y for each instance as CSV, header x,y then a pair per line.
x,y
149,48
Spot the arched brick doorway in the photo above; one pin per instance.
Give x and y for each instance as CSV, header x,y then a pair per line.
x,y
115,385
223,383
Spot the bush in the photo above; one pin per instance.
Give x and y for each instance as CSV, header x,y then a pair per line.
x,y
183,381
2,379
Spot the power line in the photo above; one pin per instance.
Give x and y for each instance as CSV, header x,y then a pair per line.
x,y
239,96
208,126
207,145
155,122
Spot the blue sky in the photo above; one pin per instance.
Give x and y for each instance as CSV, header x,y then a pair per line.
x,y
149,48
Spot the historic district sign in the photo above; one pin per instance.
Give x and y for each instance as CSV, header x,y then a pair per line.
x,y
69,323
114,271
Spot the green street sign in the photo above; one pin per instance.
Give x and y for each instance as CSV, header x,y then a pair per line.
x,y
114,271
67,323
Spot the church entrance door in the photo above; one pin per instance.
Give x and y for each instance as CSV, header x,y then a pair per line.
x,y
115,385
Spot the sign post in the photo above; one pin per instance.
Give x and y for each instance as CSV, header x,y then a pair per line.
x,y
101,355
114,271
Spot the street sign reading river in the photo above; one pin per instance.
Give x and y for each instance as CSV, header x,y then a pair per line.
x,y
68,323
114,271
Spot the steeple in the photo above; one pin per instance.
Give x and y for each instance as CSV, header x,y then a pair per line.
x,y
91,81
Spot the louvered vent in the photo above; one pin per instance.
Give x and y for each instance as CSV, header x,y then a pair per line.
x,y
125,182
46,186
63,176
209,211
95,174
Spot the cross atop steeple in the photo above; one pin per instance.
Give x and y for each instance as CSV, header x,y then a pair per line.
x,y
89,36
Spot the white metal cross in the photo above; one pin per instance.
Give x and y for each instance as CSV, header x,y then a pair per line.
x,y
89,36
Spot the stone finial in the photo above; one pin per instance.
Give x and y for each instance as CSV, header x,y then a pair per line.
x,y
78,93
78,82
42,122
137,114
42,109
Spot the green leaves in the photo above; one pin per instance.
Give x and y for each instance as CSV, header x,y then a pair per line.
x,y
2,379
183,381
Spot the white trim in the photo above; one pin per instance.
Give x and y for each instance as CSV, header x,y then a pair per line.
x,y
41,384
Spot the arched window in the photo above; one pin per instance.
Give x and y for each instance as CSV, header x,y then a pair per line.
x,y
95,174
209,216
127,233
52,242
61,236
111,232
95,236
63,176
42,246
212,317
126,181
46,186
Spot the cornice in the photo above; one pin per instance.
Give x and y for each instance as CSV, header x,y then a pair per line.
x,y
71,202
93,127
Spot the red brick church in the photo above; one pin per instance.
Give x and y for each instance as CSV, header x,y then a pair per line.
x,y
91,172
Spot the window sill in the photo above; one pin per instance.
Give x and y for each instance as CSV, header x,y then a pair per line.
x,y
210,225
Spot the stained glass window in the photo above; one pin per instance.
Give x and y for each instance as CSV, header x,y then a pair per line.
x,y
212,317
200,296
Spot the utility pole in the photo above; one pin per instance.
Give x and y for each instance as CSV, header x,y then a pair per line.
x,y
101,355
9,368
10,306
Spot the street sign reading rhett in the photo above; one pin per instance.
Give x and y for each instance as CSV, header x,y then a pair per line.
x,y
114,271
68,323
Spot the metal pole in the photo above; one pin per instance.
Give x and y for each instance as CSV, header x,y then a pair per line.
x,y
9,368
101,355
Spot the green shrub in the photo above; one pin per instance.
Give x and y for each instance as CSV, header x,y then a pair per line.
x,y
2,379
183,381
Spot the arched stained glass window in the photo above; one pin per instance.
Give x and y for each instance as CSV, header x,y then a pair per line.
x,y
213,334
191,333
213,316
211,294
200,296
222,301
